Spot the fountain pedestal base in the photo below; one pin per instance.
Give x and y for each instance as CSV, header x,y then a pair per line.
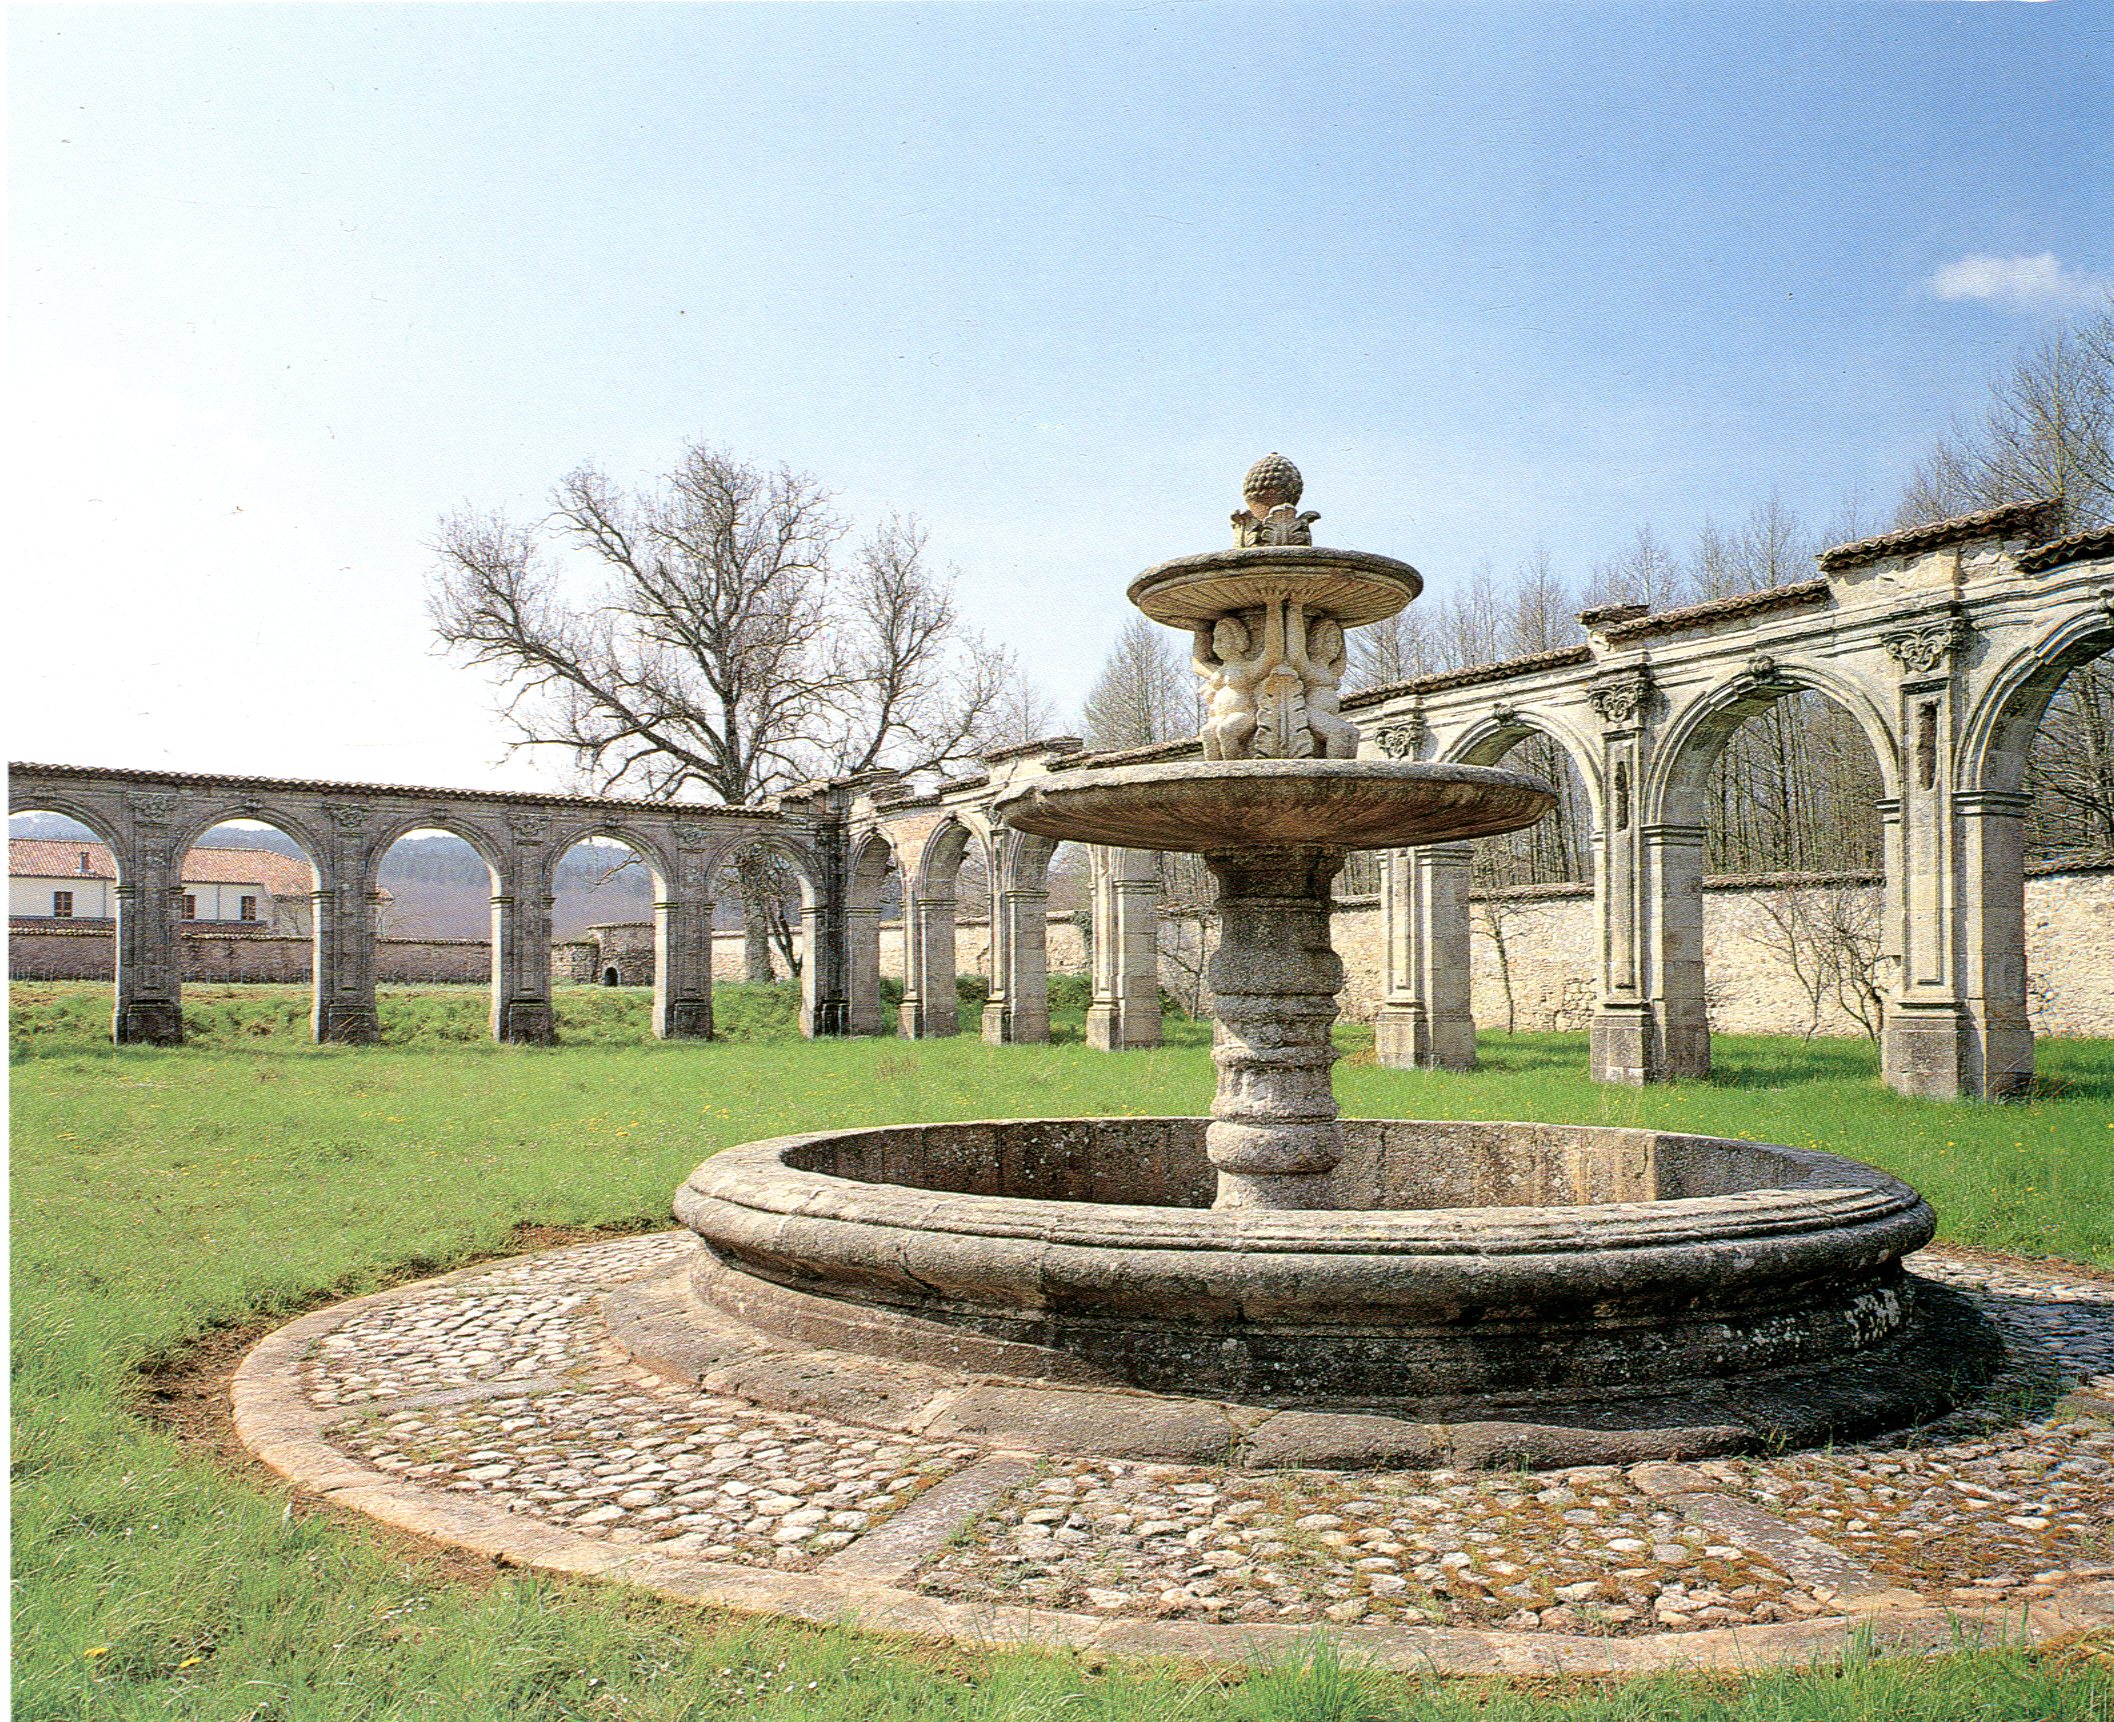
x,y
1274,979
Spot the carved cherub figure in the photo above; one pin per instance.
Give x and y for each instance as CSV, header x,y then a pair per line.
x,y
1318,654
1232,677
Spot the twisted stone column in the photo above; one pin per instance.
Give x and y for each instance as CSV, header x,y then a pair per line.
x,y
1273,1134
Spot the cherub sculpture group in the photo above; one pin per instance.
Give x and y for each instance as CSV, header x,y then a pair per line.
x,y
1279,699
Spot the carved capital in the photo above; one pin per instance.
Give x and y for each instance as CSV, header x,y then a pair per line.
x,y
1621,697
1402,738
1923,649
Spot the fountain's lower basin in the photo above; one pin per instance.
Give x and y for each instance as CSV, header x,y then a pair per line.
x,y
1465,1268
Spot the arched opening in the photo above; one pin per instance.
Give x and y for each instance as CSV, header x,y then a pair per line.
x,y
1068,877
439,916
608,900
1499,941
764,973
873,936
62,910
2034,803
1770,853
249,890
938,987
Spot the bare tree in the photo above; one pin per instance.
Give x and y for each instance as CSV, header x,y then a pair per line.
x,y
697,638
1145,693
2047,429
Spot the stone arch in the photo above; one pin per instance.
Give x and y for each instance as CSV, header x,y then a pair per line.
x,y
822,980
930,1009
871,859
323,880
1672,791
1430,923
1654,875
280,818
357,898
104,825
1489,739
650,850
1997,737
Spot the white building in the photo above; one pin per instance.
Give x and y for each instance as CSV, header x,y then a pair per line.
x,y
64,880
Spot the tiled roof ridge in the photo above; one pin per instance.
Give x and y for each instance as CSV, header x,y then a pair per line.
x,y
1469,675
2076,547
2036,515
1760,602
513,797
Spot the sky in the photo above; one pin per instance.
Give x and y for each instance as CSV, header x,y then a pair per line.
x,y
290,283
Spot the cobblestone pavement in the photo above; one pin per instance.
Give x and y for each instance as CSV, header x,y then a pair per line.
x,y
503,1387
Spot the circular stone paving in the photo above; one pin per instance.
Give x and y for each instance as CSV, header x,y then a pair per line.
x,y
492,1409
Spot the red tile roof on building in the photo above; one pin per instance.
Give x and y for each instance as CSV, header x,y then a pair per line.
x,y
59,858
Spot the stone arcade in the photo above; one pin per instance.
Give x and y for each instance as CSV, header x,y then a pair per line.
x,y
1944,641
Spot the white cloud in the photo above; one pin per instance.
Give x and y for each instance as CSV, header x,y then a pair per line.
x,y
2041,282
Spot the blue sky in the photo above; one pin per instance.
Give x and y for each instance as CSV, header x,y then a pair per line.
x,y
289,282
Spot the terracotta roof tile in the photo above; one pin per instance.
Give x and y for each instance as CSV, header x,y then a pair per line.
x,y
2078,547
1796,596
49,858
2027,519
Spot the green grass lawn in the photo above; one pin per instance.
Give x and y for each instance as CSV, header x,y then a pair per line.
x,y
159,1196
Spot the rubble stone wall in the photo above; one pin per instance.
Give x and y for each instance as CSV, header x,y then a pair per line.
x,y
86,951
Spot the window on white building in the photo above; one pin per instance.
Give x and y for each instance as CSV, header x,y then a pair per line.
x,y
249,908
190,907
62,905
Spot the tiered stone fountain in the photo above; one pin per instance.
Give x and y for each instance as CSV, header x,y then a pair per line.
x,y
1276,1283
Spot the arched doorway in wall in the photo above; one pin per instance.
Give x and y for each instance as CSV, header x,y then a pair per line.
x,y
62,908
1773,859
249,889
435,896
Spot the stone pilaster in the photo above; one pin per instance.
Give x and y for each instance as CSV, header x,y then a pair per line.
x,y
1019,1010
149,893
825,970
521,941
1625,1030
862,957
1274,979
682,968
1428,1019
931,1009
1125,1012
343,912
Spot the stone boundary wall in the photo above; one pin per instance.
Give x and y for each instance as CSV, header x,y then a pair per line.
x,y
1552,935
85,951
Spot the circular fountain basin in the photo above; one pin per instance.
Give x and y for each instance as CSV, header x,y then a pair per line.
x,y
1243,804
1639,1291
1354,586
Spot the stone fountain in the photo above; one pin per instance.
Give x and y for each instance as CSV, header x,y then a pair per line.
x,y
1276,1283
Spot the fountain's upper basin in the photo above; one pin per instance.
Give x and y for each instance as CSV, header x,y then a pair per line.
x,y
1236,804
1538,1259
1354,586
